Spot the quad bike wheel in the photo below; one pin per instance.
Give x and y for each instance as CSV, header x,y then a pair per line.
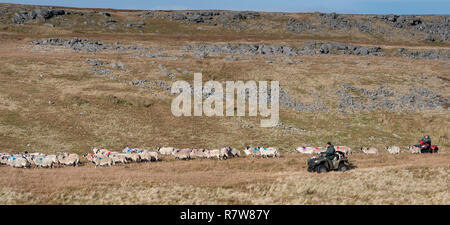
x,y
321,168
342,167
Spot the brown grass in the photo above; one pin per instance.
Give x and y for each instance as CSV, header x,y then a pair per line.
x,y
93,110
383,179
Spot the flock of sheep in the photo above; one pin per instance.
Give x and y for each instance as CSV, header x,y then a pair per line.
x,y
222,153
28,160
104,157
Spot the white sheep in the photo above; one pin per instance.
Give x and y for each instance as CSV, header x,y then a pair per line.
x,y
182,153
43,161
269,152
101,160
393,149
165,150
414,149
18,161
370,150
344,149
305,150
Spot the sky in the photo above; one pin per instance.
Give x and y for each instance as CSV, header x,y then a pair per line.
x,y
339,6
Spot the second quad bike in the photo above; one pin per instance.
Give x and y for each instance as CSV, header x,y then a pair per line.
x,y
319,164
426,149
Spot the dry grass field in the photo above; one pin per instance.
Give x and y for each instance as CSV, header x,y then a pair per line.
x,y
383,179
91,108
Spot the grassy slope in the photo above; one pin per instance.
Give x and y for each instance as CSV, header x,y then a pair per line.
x,y
85,114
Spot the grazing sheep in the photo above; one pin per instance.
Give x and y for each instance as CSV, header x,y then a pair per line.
x,y
30,159
310,150
35,154
144,156
53,158
268,152
154,156
3,159
370,150
118,158
230,152
18,162
68,159
204,153
194,154
225,153
305,150
235,152
43,161
165,150
214,153
89,157
184,154
247,151
100,151
131,150
73,157
393,149
134,157
252,151
198,154
414,149
319,149
344,149
100,160
220,154
148,156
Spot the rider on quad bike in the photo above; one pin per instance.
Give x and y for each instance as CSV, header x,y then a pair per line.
x,y
425,143
329,160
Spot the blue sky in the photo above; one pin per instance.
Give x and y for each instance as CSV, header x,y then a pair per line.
x,y
340,6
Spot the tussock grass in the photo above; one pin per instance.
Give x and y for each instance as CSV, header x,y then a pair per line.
x,y
383,179
92,110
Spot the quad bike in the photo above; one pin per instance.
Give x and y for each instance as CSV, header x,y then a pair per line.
x,y
321,165
428,149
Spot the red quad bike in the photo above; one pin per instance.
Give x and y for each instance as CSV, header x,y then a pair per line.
x,y
425,148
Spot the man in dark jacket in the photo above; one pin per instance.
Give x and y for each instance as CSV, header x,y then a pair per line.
x,y
329,154
426,139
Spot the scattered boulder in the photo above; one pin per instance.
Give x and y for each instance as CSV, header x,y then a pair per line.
x,y
435,54
352,98
132,25
137,82
339,22
85,44
208,17
105,14
298,26
318,47
41,14
118,65
201,51
436,26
